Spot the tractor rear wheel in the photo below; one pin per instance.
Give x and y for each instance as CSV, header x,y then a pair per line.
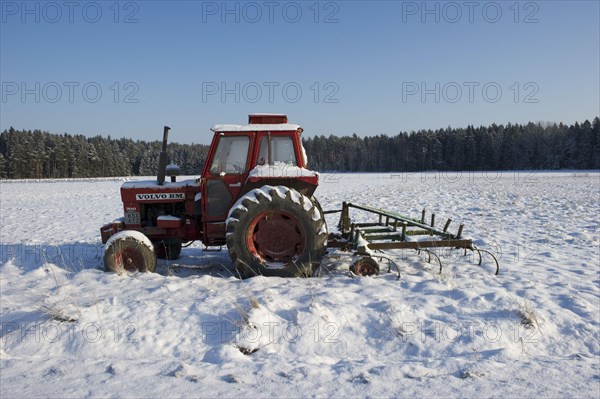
x,y
320,208
276,231
129,250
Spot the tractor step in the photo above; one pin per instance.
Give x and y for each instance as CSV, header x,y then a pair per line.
x,y
212,248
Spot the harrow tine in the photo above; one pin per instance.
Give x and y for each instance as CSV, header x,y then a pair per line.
x,y
435,255
479,253
479,250
390,263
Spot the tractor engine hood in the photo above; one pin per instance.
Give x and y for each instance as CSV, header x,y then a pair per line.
x,y
151,191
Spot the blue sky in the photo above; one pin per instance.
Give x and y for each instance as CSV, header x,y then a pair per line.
x,y
367,67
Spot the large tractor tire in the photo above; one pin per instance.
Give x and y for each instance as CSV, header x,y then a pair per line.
x,y
320,208
129,250
276,231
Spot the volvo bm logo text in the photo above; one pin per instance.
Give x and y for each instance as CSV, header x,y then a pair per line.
x,y
160,197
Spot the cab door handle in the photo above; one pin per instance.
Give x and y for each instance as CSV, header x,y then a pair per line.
x,y
236,184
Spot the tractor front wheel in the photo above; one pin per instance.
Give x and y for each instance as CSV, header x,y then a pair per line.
x,y
129,250
276,231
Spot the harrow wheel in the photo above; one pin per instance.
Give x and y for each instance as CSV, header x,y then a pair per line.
x,y
276,231
131,251
365,266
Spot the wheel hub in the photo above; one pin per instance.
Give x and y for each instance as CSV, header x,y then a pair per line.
x,y
276,237
129,259
365,266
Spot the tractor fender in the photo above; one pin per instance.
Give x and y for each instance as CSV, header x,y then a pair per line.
x,y
108,230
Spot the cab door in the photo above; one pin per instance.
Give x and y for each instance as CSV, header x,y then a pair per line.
x,y
225,175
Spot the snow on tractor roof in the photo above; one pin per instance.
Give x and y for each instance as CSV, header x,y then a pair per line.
x,y
256,127
260,122
265,114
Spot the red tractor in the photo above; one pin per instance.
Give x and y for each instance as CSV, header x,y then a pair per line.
x,y
255,195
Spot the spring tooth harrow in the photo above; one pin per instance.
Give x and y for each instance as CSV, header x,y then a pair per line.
x,y
394,231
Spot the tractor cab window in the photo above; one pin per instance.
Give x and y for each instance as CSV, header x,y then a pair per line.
x,y
282,150
231,155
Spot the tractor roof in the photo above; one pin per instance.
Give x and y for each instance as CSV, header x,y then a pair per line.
x,y
260,123
256,127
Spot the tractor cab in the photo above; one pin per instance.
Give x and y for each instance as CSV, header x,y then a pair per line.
x,y
268,150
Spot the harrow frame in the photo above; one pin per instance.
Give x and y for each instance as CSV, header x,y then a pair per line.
x,y
395,231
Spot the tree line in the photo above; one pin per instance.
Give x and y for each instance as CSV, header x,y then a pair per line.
x,y
27,154
41,155
494,147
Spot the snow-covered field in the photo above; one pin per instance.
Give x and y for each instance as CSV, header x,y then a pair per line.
x,y
70,330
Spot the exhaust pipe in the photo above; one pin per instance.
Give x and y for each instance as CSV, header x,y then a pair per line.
x,y
162,160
